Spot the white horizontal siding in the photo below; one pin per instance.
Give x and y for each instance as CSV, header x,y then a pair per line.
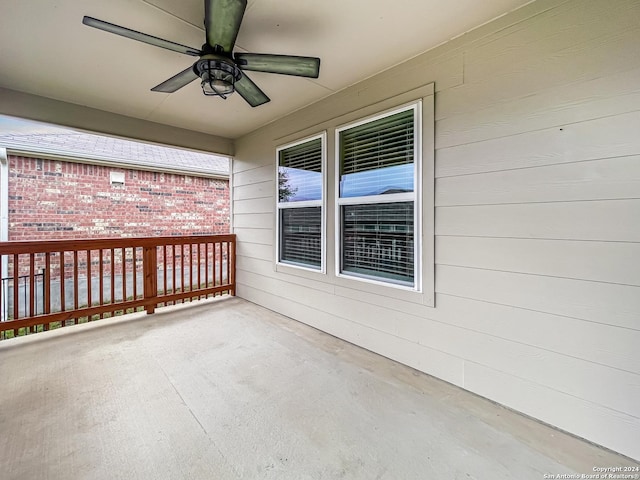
x,y
555,106
537,220
253,176
606,179
579,416
503,78
254,250
255,190
255,235
254,205
611,262
600,343
514,74
588,140
253,220
609,220
606,303
266,269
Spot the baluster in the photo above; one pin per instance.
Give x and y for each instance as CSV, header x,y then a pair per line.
x,y
89,281
124,278
228,269
101,272
164,269
206,265
149,265
135,273
190,268
218,264
112,271
159,256
182,269
47,287
198,267
173,254
32,286
232,269
75,285
16,286
63,306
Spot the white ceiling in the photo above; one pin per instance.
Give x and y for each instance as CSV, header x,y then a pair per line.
x,y
47,51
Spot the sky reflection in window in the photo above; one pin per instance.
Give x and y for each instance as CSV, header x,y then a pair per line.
x,y
297,185
380,181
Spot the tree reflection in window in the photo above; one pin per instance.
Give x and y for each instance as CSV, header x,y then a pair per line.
x,y
286,191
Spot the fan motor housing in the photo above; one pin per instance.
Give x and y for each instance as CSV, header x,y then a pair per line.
x,y
218,73
217,62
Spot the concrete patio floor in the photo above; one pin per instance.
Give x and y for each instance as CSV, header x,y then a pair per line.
x,y
224,389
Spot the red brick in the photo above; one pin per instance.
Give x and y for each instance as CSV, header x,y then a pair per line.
x,y
60,200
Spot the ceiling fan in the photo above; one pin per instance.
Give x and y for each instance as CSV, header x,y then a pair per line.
x,y
221,71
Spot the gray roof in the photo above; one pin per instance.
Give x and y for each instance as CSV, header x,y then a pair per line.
x,y
33,138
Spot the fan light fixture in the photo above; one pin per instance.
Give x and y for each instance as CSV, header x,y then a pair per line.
x,y
218,76
220,70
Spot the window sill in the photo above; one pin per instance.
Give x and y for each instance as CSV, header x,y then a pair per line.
x,y
293,269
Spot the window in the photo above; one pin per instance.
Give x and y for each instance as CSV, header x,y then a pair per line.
x,y
300,203
378,194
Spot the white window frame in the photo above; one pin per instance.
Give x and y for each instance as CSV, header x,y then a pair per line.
x,y
309,203
415,197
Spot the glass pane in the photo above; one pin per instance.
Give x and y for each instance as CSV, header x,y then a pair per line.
x,y
301,236
377,241
382,181
377,158
296,185
300,172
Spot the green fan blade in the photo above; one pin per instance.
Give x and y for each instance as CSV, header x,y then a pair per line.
x,y
139,36
250,91
283,64
177,81
222,19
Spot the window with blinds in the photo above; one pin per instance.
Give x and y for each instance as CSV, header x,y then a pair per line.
x,y
377,194
300,196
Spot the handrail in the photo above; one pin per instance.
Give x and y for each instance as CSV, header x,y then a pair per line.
x,y
42,246
89,278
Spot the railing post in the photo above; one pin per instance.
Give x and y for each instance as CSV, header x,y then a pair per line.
x,y
232,259
150,272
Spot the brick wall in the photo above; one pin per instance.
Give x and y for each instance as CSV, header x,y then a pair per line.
x,y
61,200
